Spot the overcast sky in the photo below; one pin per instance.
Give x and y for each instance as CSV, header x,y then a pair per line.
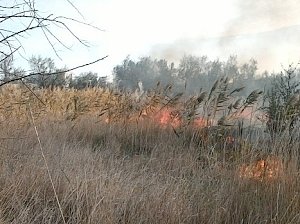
x,y
267,30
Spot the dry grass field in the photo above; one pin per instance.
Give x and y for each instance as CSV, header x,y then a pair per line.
x,y
99,156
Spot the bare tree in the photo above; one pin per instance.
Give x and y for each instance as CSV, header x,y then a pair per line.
x,y
20,18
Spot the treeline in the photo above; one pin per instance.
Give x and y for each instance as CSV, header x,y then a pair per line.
x,y
192,74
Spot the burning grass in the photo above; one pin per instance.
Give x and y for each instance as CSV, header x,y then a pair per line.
x,y
217,106
132,173
268,169
116,159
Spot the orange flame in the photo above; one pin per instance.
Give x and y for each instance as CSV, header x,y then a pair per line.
x,y
168,117
172,117
263,169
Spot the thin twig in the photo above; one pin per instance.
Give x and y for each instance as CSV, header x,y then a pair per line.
x,y
78,11
33,93
52,73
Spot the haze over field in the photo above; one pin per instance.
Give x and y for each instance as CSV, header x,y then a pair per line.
x,y
189,128
268,31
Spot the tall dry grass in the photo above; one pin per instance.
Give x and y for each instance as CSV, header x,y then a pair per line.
x,y
106,173
137,172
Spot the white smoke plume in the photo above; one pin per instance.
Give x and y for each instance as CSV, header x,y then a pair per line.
x,y
267,30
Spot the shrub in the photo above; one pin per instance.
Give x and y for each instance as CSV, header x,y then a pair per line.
x,y
282,103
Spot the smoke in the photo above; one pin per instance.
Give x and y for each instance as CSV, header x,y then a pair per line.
x,y
174,51
266,30
263,15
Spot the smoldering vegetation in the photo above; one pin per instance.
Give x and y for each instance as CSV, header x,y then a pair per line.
x,y
175,138
113,173
103,155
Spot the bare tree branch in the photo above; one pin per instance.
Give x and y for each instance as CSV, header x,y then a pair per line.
x,y
78,11
24,10
52,73
27,18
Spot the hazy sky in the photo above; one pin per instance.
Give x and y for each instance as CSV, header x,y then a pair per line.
x,y
268,30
